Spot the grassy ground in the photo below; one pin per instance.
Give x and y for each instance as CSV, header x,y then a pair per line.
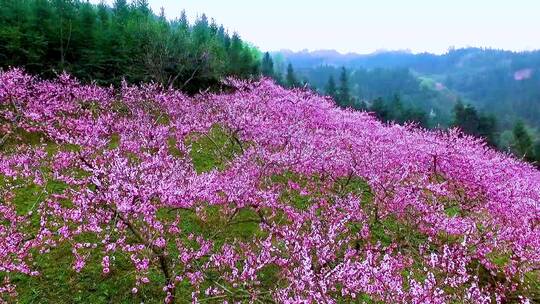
x,y
59,283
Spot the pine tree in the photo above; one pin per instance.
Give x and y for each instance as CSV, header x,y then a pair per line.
x,y
120,9
183,21
459,109
344,97
103,15
396,110
305,84
487,128
362,106
201,31
523,144
235,55
380,109
162,17
267,65
86,35
537,152
123,40
143,6
466,118
331,89
291,77
278,76
414,115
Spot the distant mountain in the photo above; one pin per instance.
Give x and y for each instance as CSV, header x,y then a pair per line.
x,y
426,62
504,83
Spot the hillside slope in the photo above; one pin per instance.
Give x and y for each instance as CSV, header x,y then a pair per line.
x,y
261,194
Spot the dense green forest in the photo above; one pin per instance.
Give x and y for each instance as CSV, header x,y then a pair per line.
x,y
126,41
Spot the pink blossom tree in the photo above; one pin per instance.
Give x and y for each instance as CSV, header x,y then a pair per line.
x,y
345,207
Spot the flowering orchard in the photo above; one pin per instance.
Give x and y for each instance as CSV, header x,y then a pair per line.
x,y
338,207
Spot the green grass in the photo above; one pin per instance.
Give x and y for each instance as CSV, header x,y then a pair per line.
x,y
59,283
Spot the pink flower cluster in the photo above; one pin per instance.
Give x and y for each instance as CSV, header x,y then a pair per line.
x,y
347,208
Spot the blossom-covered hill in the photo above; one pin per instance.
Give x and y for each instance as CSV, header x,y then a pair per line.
x,y
259,195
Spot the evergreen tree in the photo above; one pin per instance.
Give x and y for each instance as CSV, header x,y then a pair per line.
x,y
125,40
487,128
415,115
305,84
343,91
396,110
471,122
291,77
183,22
380,109
162,17
235,55
522,144
267,65
466,118
120,9
279,78
331,89
143,6
362,106
201,32
537,152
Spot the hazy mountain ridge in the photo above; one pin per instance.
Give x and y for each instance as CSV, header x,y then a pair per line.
x,y
504,83
473,57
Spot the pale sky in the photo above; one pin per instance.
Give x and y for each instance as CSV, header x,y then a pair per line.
x,y
364,26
